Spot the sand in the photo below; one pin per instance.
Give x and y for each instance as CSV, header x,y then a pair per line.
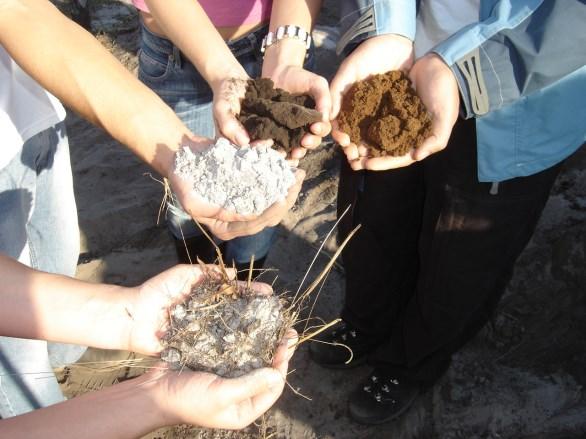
x,y
521,378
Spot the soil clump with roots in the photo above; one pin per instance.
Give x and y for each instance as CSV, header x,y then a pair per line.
x,y
224,327
384,113
273,113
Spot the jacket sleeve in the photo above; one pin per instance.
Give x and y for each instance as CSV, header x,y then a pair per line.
x,y
522,47
362,19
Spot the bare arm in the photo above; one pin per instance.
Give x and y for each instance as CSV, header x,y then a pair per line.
x,y
302,13
159,398
39,305
71,64
188,26
283,63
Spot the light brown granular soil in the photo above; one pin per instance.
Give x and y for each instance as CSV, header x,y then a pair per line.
x,y
273,113
384,113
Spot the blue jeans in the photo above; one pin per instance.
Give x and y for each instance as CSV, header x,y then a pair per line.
x,y
38,227
166,71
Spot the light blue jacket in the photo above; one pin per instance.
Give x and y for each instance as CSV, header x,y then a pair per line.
x,y
521,72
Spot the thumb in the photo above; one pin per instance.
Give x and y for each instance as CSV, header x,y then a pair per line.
x,y
229,126
255,383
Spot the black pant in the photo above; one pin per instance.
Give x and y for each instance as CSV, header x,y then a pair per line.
x,y
435,252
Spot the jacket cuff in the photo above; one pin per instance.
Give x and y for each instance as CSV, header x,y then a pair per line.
x,y
378,17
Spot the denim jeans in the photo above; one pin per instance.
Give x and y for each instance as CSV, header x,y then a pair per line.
x,y
38,227
168,73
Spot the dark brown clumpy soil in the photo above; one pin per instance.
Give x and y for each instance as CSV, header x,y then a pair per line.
x,y
385,113
272,113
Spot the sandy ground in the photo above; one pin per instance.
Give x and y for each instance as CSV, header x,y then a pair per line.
x,y
522,377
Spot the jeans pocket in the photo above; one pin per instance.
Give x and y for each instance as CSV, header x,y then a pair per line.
x,y
151,69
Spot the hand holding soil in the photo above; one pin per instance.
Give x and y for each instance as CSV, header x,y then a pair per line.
x,y
225,327
383,115
273,113
235,192
298,80
437,87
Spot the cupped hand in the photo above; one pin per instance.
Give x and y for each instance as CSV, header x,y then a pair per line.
x,y
225,224
210,401
436,85
374,56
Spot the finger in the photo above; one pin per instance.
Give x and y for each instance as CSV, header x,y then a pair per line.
x,y
266,143
298,153
337,88
441,130
179,280
321,129
310,141
261,288
293,162
358,164
257,382
320,91
229,126
351,152
285,350
342,138
385,163
363,150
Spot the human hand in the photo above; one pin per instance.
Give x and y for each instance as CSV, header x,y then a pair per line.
x,y
437,87
210,401
229,225
297,80
228,94
374,56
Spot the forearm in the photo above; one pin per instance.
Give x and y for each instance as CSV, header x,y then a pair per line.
x,y
301,13
71,64
125,410
188,26
39,305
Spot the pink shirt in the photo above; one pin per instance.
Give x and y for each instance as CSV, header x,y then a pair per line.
x,y
226,13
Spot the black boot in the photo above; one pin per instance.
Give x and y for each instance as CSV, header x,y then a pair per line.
x,y
190,249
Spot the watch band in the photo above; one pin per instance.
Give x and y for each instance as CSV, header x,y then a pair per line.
x,y
287,31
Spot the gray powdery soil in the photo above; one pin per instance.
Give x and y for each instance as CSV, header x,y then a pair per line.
x,y
243,180
224,331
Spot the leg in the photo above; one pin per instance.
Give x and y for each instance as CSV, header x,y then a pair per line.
x,y
380,260
40,230
471,238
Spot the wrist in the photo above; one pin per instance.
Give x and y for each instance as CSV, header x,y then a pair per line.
x,y
287,52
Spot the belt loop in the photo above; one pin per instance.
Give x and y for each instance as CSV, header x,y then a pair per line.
x,y
177,57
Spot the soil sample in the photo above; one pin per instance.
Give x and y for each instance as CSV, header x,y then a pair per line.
x,y
272,113
224,328
384,113
243,180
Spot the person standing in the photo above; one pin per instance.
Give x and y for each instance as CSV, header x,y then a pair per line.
x,y
443,225
197,56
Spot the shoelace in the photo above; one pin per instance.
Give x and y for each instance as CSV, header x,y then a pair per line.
x,y
380,387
